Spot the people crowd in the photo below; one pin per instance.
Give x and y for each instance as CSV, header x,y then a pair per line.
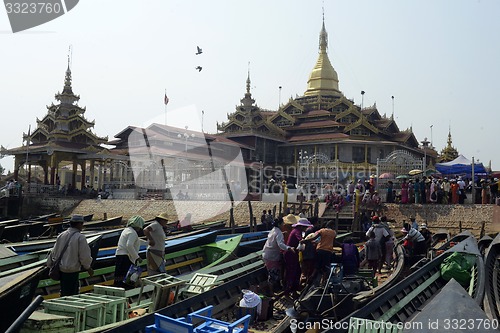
x,y
432,190
299,251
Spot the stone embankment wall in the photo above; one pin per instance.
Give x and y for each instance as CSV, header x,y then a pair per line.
x,y
449,217
200,210
437,217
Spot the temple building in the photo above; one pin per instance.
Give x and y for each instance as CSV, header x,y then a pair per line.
x,y
323,134
63,140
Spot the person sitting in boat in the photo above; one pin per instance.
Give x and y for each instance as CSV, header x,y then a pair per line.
x,y
427,235
127,251
417,239
350,257
271,254
185,223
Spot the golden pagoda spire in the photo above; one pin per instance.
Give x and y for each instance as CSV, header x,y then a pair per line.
x,y
323,79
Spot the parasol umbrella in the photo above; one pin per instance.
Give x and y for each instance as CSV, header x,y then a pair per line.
x,y
430,172
386,175
415,172
402,177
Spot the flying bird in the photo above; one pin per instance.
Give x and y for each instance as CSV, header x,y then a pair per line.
x,y
199,50
199,68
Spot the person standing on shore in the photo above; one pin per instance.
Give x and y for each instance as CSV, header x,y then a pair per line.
x,y
155,235
72,247
127,252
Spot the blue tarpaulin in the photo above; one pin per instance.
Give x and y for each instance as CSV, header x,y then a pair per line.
x,y
459,166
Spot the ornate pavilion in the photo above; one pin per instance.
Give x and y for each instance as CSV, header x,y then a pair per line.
x,y
62,138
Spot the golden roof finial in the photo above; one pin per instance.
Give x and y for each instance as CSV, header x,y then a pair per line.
x,y
323,79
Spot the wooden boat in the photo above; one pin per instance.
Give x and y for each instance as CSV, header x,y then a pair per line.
x,y
403,301
9,222
439,238
436,251
484,243
440,312
1,230
223,296
24,262
492,267
16,293
181,262
106,256
112,222
241,229
250,242
345,294
33,245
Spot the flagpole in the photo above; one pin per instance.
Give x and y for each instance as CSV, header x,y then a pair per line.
x,y
202,114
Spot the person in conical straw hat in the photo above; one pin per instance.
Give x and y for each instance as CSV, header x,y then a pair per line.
x,y
155,235
288,220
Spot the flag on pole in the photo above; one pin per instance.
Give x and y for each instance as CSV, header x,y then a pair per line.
x,y
166,99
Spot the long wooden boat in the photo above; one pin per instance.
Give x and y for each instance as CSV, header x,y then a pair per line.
x,y
223,296
9,222
112,222
106,256
403,301
22,262
181,262
33,245
484,243
16,293
346,293
439,238
452,305
1,230
492,266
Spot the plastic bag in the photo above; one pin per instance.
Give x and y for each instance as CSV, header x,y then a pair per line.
x,y
458,266
133,275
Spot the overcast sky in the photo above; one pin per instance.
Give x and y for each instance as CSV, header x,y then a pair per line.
x,y
438,58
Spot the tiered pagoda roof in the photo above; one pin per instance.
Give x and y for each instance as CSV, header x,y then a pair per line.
x,y
65,124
